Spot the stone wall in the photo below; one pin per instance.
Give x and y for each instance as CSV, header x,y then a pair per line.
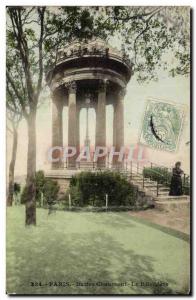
x,y
63,184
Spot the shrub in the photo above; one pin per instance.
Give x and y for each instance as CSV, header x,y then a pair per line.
x,y
17,188
39,183
50,191
186,186
23,195
89,188
46,190
161,175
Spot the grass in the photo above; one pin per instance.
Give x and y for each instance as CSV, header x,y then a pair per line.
x,y
93,253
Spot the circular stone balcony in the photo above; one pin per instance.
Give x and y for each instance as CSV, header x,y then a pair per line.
x,y
89,62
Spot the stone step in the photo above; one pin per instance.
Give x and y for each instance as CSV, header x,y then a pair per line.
x,y
163,194
149,192
58,176
146,180
85,166
140,181
164,188
172,205
161,189
85,163
150,184
172,198
139,176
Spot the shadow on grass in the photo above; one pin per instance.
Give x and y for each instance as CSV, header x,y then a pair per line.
x,y
83,258
176,233
113,220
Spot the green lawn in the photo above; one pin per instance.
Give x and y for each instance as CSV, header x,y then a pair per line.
x,y
95,253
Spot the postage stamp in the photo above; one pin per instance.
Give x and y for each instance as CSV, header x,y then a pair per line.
x,y
162,124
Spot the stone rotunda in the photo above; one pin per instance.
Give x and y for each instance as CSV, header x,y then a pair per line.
x,y
88,73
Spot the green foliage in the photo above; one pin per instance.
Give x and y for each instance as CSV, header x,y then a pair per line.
x,y
46,190
155,37
39,183
89,188
164,175
17,188
24,195
159,174
149,35
186,185
50,191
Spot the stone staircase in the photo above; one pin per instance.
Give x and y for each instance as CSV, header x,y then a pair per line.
x,y
162,201
86,166
172,202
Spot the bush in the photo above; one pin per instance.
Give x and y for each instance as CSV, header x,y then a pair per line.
x,y
17,188
23,195
186,186
46,190
50,191
39,183
161,175
89,188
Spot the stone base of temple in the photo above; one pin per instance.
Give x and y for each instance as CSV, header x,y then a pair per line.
x,y
85,166
64,175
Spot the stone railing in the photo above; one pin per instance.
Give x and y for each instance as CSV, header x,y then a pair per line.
x,y
90,50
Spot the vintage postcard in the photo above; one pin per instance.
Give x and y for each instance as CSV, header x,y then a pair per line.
x,y
98,150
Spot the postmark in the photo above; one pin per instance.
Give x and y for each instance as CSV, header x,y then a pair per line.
x,y
162,124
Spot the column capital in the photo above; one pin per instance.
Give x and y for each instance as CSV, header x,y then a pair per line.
x,y
102,85
122,92
71,86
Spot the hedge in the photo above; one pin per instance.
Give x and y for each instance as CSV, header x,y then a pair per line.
x,y
90,189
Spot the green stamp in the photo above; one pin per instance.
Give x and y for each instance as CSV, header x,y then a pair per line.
x,y
162,125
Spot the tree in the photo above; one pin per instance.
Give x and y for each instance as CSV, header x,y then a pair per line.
x,y
34,35
20,46
25,45
46,189
150,35
14,116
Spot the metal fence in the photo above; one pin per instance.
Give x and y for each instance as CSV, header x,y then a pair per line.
x,y
130,168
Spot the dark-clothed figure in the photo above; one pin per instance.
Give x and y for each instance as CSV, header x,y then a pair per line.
x,y
176,181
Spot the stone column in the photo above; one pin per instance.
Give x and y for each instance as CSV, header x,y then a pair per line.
x,y
114,125
72,121
78,127
101,122
57,129
118,125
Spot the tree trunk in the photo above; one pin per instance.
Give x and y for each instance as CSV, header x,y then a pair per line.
x,y
31,169
12,167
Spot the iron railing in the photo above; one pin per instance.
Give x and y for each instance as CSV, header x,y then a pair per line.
x,y
129,168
